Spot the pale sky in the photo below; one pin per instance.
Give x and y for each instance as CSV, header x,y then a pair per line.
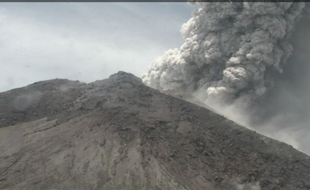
x,y
84,41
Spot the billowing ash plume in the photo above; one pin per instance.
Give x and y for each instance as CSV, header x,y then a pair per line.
x,y
231,51
238,57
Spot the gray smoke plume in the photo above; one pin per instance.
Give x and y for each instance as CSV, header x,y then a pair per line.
x,y
235,54
229,50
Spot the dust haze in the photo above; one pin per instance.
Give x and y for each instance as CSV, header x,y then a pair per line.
x,y
248,61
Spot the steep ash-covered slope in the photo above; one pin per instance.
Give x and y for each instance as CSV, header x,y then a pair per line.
x,y
119,134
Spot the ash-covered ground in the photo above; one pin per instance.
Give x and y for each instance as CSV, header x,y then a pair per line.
x,y
118,133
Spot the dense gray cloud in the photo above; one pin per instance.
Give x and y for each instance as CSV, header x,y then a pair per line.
x,y
229,50
285,109
239,58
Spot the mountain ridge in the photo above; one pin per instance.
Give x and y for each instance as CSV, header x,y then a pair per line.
x,y
118,133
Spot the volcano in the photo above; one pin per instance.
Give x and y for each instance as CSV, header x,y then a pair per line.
x,y
118,133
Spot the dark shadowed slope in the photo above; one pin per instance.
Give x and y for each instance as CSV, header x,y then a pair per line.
x,y
119,134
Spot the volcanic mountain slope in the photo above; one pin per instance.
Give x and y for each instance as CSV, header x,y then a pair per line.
x,y
119,134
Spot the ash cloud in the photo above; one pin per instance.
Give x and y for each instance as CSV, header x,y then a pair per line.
x,y
285,109
238,57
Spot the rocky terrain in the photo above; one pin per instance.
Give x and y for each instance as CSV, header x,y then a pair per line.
x,y
119,134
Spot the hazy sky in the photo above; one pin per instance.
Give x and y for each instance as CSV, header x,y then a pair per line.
x,y
84,41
